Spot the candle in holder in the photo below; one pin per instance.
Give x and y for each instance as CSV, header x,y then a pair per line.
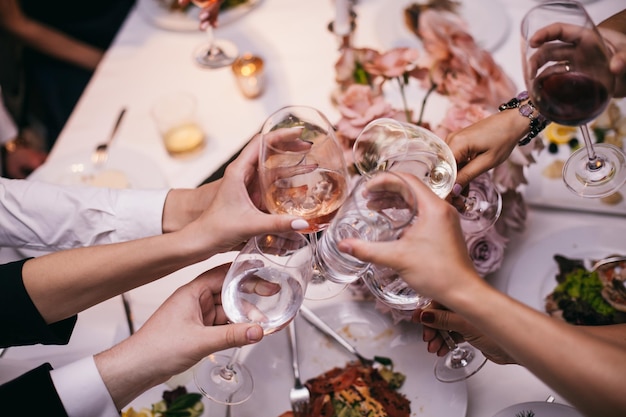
x,y
248,70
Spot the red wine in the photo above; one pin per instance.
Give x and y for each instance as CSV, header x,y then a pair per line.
x,y
570,98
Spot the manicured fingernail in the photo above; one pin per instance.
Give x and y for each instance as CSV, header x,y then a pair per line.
x,y
204,25
427,317
254,334
456,190
345,248
299,224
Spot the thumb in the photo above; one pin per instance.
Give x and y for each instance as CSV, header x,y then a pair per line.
x,y
470,171
231,335
274,223
444,320
380,253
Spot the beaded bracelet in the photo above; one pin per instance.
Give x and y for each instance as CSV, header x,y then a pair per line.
x,y
537,123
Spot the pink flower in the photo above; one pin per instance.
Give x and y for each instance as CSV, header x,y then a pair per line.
x,y
513,216
359,106
393,63
486,250
459,116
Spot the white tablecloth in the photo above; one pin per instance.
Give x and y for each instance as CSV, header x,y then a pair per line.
x,y
299,54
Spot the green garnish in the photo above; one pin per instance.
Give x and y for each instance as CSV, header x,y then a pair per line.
x,y
586,286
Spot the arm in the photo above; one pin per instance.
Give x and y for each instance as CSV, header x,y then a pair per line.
x,y
444,272
63,283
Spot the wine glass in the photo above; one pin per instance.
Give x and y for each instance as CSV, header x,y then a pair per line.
x,y
379,207
302,172
566,70
388,144
215,53
481,207
264,285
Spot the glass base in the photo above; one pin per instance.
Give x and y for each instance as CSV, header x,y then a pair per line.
x,y
218,384
221,54
459,364
604,179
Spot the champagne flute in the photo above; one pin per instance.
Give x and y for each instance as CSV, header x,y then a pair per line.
x,y
302,172
388,144
566,70
265,285
215,53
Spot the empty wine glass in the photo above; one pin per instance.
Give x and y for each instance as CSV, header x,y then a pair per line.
x,y
379,207
215,53
566,70
481,207
264,285
387,144
302,172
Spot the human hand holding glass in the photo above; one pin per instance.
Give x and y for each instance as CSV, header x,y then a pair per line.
x,y
264,285
302,172
566,70
216,53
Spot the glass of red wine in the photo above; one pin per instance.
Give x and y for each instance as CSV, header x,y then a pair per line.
x,y
566,70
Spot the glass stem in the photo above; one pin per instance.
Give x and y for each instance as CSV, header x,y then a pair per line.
x,y
459,357
211,40
594,163
228,371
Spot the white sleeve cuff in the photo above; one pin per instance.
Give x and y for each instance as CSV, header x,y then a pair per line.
x,y
79,381
139,213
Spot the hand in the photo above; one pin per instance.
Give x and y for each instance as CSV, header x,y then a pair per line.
x,y
443,264
233,215
486,143
435,318
188,326
616,41
208,15
183,206
22,161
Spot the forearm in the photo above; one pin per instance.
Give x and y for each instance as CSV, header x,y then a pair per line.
x,y
64,283
56,44
550,348
182,206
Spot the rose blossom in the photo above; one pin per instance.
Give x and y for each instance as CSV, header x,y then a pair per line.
x,y
393,63
486,250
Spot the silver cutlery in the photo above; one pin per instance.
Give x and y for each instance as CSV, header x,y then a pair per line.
x,y
318,323
101,153
299,395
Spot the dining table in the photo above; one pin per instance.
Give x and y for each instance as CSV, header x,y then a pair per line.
x,y
152,55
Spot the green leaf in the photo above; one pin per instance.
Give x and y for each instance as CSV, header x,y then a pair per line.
x,y
184,402
383,360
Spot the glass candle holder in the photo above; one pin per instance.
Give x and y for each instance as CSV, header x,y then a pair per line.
x,y
248,71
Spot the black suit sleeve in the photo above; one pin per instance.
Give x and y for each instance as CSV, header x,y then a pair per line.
x,y
20,321
32,394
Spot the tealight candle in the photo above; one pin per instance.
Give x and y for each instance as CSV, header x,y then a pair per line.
x,y
248,70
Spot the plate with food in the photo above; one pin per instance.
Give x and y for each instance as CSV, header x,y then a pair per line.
x,y
538,409
125,168
323,360
167,14
393,31
555,276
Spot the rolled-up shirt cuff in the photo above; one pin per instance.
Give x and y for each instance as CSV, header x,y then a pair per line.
x,y
139,213
82,391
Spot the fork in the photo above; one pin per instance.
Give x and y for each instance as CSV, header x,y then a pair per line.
x,y
101,153
299,394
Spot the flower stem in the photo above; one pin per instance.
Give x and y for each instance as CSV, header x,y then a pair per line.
x,y
407,112
432,88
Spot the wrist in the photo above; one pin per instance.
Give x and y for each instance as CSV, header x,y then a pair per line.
x,y
537,122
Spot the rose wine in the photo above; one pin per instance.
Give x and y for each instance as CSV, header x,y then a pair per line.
x,y
570,98
270,311
316,196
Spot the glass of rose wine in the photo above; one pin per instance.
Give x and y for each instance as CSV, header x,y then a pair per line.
x,y
215,53
265,285
566,70
302,172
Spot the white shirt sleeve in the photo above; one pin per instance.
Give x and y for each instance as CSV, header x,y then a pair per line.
x,y
82,391
47,217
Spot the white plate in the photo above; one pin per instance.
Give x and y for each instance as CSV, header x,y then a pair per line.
x,y
533,276
541,409
489,25
186,21
374,334
140,171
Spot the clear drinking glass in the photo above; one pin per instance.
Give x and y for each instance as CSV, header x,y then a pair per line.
x,y
215,53
481,207
566,70
264,285
302,172
379,207
389,145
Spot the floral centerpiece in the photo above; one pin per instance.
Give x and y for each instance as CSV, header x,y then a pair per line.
x,y
452,67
